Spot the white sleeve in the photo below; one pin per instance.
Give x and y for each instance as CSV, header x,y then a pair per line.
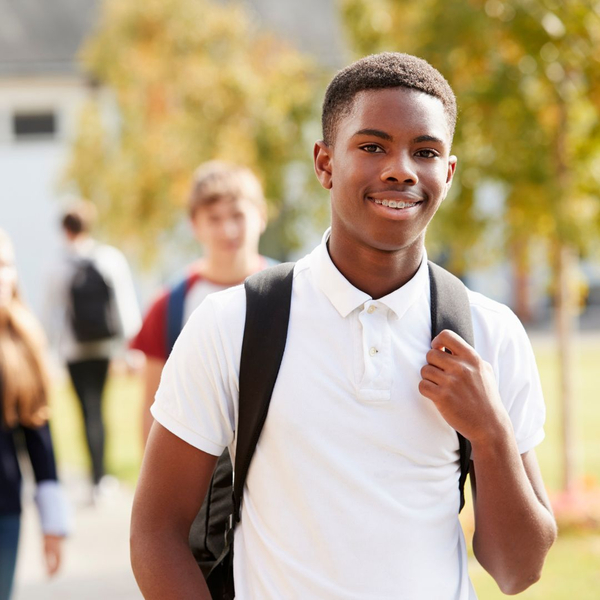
x,y
126,302
55,514
197,396
521,389
500,339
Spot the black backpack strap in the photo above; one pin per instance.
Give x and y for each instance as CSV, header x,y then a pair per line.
x,y
450,309
268,301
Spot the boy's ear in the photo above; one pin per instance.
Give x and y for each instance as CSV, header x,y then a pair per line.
x,y
450,173
322,160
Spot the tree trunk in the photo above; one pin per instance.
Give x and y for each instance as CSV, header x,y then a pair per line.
x,y
565,316
521,280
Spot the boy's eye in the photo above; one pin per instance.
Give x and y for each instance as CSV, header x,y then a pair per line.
x,y
371,148
425,153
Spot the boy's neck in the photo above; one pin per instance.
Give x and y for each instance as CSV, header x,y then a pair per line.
x,y
225,271
376,272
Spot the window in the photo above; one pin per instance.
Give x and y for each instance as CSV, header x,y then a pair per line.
x,y
34,126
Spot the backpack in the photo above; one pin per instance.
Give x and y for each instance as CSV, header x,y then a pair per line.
x,y
92,308
268,300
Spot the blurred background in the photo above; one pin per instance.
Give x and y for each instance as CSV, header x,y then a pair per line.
x,y
118,102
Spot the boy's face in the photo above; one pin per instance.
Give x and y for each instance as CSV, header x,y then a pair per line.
x,y
392,148
229,226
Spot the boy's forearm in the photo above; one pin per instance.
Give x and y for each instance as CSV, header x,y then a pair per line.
x,y
165,569
514,529
152,373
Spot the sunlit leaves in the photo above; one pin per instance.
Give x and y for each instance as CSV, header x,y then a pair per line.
x,y
527,77
192,80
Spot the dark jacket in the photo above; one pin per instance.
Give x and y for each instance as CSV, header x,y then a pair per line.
x,y
39,447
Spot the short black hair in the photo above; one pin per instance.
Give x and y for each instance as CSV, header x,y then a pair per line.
x,y
382,71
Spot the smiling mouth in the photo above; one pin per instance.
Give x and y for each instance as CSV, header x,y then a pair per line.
x,y
397,204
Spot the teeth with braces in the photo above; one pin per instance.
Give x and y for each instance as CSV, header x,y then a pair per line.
x,y
394,204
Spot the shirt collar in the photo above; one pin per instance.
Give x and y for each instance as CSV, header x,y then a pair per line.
x,y
346,298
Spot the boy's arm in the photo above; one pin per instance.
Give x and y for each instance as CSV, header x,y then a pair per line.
x,y
173,482
152,372
514,525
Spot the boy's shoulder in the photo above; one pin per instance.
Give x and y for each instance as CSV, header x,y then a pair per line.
x,y
488,307
495,323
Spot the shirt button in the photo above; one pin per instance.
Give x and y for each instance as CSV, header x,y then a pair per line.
x,y
371,309
373,351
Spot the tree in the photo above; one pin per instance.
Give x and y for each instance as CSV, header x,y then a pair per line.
x,y
527,77
180,82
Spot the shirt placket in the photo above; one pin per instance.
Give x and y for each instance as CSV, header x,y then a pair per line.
x,y
376,383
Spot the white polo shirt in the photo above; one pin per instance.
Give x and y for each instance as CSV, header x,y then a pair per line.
x,y
353,490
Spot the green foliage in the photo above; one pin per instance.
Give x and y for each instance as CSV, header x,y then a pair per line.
x,y
185,81
527,77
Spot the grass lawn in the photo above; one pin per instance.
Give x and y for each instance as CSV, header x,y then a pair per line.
x,y
573,567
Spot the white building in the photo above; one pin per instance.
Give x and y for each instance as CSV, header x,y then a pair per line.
x,y
41,90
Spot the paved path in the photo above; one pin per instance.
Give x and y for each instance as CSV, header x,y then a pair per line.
x,y
96,557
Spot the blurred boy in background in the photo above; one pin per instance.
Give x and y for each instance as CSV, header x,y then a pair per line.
x,y
227,211
92,310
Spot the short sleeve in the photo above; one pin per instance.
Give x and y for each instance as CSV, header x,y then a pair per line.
x,y
151,339
128,312
520,387
198,389
501,340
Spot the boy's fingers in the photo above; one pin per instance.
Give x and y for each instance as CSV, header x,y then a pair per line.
x,y
453,342
432,374
428,389
439,358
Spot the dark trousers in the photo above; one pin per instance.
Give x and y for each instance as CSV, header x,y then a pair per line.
x,y
89,379
9,541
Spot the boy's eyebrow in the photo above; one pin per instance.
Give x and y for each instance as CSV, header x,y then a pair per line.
x,y
376,133
427,138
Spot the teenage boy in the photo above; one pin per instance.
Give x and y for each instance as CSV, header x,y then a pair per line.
x,y
227,210
352,491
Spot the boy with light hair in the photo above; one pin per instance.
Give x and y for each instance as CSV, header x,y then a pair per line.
x,y
228,213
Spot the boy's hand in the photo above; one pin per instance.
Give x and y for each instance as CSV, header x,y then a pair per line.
x,y
463,388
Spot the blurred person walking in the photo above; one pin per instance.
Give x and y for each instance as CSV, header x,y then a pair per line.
x,y
24,418
92,311
228,213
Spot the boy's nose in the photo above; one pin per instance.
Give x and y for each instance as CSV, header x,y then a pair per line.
x,y
400,169
229,229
